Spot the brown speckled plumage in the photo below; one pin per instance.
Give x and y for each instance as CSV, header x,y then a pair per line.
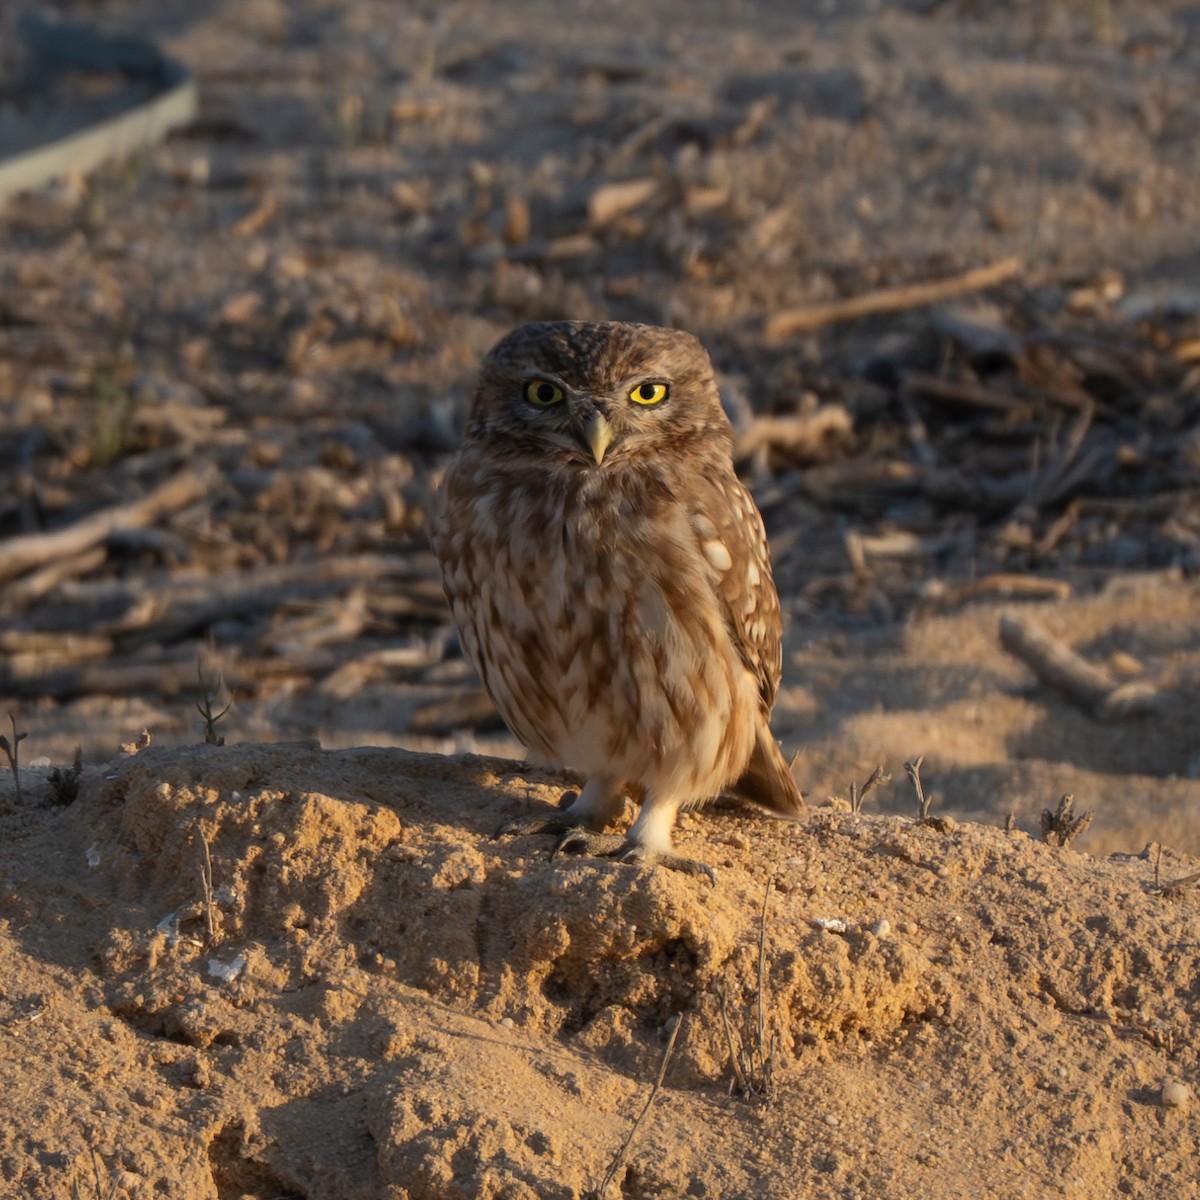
x,y
615,595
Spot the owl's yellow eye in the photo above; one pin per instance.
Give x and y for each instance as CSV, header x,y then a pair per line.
x,y
649,393
543,393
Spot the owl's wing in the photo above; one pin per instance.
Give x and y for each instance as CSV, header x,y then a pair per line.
x,y
746,588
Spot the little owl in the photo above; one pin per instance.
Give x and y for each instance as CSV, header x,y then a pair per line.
x,y
611,582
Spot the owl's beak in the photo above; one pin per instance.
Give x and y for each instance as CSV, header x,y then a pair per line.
x,y
597,433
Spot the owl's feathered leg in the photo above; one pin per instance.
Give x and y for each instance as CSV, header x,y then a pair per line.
x,y
580,826
648,841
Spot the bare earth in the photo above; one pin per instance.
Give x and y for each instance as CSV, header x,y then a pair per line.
x,y
299,964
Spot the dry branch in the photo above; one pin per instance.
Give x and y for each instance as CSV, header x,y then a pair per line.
x,y
165,607
801,435
32,587
962,391
1090,687
471,709
810,317
169,673
27,551
855,476
1009,584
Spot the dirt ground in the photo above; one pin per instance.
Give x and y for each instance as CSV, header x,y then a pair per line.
x,y
298,964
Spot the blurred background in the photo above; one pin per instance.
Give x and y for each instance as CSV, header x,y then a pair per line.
x,y
945,256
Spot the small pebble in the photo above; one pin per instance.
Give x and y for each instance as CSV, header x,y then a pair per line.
x,y
506,1022
881,928
831,1120
1175,1094
227,972
831,924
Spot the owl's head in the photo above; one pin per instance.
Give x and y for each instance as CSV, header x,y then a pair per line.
x,y
597,393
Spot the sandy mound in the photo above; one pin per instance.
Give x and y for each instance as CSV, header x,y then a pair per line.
x,y
391,1003
262,338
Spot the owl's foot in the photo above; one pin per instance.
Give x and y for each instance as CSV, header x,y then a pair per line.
x,y
559,821
523,825
612,845
578,840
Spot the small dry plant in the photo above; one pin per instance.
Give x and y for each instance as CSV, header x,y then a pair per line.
x,y
859,794
1061,827
1171,887
924,803
205,709
12,750
112,434
752,1053
100,1190
207,898
64,785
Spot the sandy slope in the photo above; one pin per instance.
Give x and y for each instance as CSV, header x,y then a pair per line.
x,y
395,1004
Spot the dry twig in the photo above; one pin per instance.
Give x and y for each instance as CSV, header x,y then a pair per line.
x,y
615,1165
810,317
27,551
206,887
1006,583
754,1067
962,391
101,1190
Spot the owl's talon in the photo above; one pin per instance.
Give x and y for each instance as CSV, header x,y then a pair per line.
x,y
578,840
609,845
525,825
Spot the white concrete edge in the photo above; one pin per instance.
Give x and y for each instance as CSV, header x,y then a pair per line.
x,y
117,137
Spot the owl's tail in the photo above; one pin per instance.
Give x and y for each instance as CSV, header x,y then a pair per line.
x,y
768,780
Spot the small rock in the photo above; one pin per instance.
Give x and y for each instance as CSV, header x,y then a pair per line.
x,y
612,200
881,928
1175,1094
831,924
226,972
1125,664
